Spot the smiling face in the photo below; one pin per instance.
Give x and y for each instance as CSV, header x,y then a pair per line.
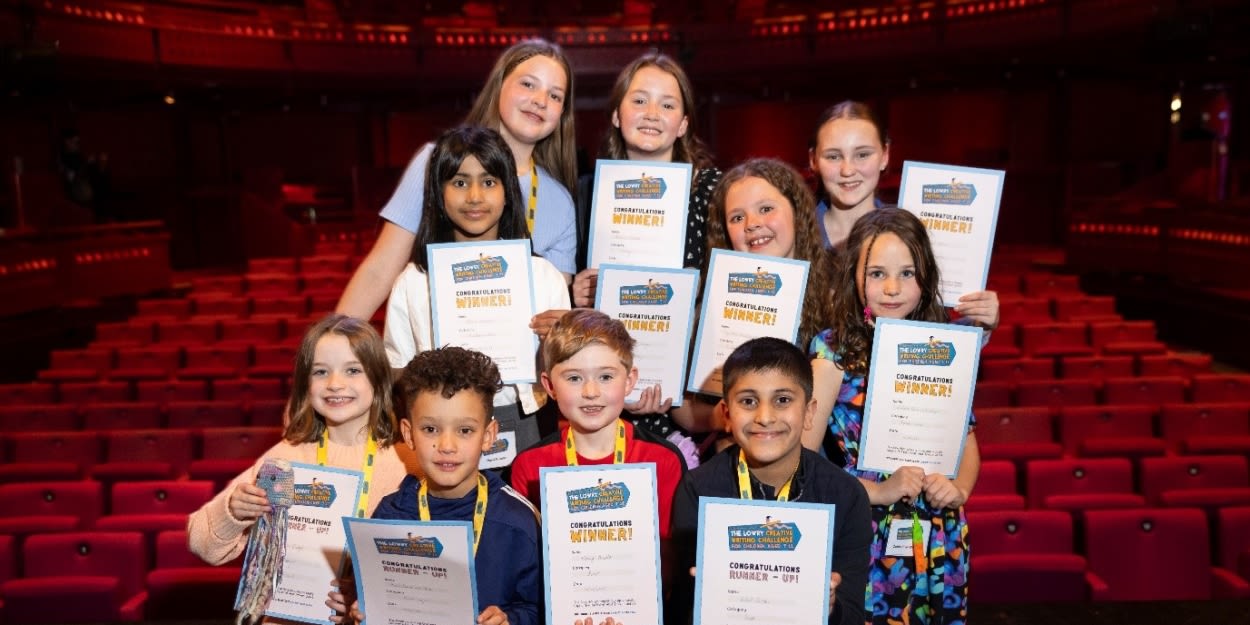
x,y
449,436
759,219
590,387
886,274
339,389
652,115
849,157
767,411
474,200
531,101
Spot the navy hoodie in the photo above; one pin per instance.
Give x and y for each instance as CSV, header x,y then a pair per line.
x,y
508,563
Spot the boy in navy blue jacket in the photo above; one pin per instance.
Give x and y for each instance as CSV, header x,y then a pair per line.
x,y
450,393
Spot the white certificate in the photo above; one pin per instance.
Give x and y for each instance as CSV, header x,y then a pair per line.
x,y
746,296
959,207
919,396
657,307
763,562
482,298
315,541
414,572
638,213
601,543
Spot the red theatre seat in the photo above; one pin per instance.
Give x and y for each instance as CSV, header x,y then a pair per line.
x,y
78,577
1116,431
1125,337
182,585
1207,428
1016,434
996,488
1025,556
42,507
1096,367
1207,481
135,455
152,507
1226,387
1082,484
1233,533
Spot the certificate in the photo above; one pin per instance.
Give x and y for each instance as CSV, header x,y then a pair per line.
x,y
746,296
657,307
919,396
314,541
414,572
482,298
601,543
763,562
959,207
638,213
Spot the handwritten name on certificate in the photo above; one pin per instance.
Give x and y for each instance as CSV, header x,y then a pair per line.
x,y
746,296
601,543
919,395
638,213
315,542
414,572
959,208
482,298
657,307
763,562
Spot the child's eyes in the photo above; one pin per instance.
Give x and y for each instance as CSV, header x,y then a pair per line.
x,y
466,431
318,372
459,184
527,84
606,377
639,101
490,183
833,157
557,97
428,429
747,402
355,370
784,400
766,209
573,378
876,274
733,219
909,273
670,106
863,155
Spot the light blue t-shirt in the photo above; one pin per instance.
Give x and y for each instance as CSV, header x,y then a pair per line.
x,y
555,229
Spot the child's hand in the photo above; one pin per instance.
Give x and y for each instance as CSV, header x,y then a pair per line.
x,y
356,614
492,615
542,322
584,286
981,307
248,502
904,484
941,493
649,402
835,578
337,600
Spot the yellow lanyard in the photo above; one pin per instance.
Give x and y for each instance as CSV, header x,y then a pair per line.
x,y
479,509
744,481
533,209
371,453
570,448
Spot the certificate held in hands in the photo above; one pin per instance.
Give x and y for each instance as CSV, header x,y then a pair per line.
x,y
414,572
638,213
482,298
919,396
601,543
763,562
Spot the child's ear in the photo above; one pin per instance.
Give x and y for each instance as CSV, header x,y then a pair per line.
x,y
720,413
810,417
405,428
616,118
492,432
546,380
631,380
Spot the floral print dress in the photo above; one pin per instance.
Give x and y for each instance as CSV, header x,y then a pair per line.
x,y
897,593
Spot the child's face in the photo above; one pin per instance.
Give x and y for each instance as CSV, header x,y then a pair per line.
x,y
591,387
531,101
767,411
759,218
651,117
473,200
339,389
849,158
449,436
887,274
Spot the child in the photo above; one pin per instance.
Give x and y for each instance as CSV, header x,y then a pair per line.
x,y
888,270
468,198
448,426
589,369
767,405
528,98
340,416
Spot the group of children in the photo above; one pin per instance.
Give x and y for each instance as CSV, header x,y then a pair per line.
x,y
790,415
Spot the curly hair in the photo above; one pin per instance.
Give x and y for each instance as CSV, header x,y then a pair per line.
x,y
688,148
582,327
808,242
449,370
852,334
305,425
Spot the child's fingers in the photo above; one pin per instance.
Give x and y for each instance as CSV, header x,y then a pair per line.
x,y
492,615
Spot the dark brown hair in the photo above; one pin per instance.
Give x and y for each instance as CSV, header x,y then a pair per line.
x,y
447,371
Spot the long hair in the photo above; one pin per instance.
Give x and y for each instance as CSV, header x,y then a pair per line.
x,y
852,334
557,153
846,109
688,148
808,244
305,425
489,148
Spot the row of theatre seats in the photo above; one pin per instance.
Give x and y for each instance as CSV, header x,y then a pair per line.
x,y
1108,457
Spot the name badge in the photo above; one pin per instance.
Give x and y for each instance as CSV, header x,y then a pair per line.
x,y
899,544
501,453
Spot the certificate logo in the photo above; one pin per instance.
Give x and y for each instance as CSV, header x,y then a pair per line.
x,y
412,546
771,535
954,194
934,353
315,494
650,294
643,188
484,268
603,496
499,446
759,283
